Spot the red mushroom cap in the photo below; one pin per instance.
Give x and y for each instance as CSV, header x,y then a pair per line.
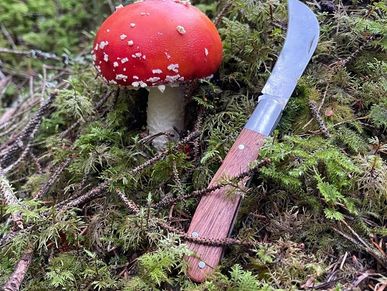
x,y
157,42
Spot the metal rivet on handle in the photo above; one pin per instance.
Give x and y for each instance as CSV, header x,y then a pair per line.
x,y
201,265
195,234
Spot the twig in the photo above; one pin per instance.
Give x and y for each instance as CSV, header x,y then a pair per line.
x,y
23,155
90,195
53,178
176,178
319,119
10,199
202,192
343,261
17,277
36,54
163,153
8,36
221,13
320,106
343,62
198,126
358,241
29,131
18,111
134,208
36,162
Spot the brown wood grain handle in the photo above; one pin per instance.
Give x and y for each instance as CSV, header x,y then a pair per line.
x,y
215,213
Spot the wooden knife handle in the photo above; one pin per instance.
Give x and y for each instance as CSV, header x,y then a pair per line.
x,y
215,213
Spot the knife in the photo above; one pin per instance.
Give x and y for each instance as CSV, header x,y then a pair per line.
x,y
215,214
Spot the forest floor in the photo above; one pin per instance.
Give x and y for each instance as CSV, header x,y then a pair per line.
x,y
87,203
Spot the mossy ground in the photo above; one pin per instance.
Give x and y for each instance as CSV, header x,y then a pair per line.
x,y
317,211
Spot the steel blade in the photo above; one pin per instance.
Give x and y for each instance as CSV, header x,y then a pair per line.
x,y
300,44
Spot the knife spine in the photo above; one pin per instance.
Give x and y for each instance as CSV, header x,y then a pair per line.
x,y
266,115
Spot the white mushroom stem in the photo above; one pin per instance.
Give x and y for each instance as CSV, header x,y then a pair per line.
x,y
165,112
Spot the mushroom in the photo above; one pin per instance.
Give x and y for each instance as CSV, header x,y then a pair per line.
x,y
158,45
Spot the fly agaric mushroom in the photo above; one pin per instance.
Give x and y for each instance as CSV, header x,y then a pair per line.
x,y
158,44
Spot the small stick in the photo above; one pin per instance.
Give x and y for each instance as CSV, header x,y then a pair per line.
x,y
29,131
17,277
23,155
134,208
36,54
202,192
221,13
319,119
53,178
10,199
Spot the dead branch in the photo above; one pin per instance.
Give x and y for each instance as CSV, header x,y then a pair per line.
x,y
28,132
316,114
36,54
53,178
17,277
10,199
135,209
199,193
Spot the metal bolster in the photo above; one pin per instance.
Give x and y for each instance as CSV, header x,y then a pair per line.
x,y
266,115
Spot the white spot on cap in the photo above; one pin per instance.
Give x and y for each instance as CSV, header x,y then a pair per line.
x,y
105,57
157,71
130,42
135,84
184,2
142,84
124,69
137,55
172,79
94,57
167,55
96,47
108,30
123,36
153,79
132,25
180,29
119,7
112,82
124,60
136,77
144,13
206,51
121,77
115,64
102,44
173,67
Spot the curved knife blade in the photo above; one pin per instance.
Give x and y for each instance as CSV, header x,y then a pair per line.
x,y
300,44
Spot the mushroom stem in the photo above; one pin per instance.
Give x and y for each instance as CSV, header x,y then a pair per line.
x,y
165,113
